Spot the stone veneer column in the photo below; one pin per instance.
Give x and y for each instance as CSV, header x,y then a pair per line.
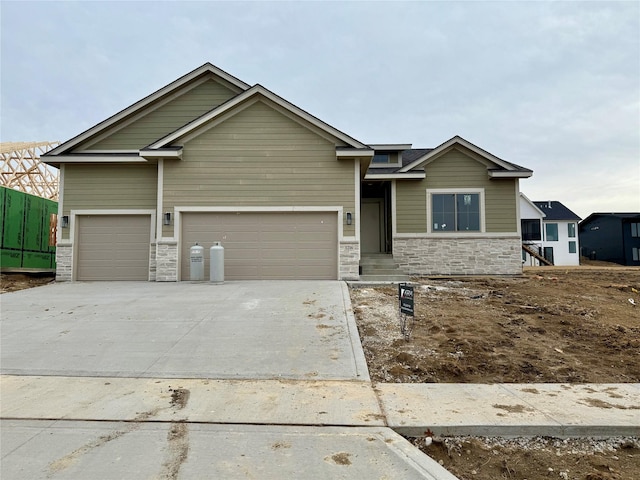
x,y
167,262
64,262
459,256
349,260
152,262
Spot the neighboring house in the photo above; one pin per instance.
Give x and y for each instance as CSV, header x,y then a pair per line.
x,y
531,218
210,158
611,237
559,233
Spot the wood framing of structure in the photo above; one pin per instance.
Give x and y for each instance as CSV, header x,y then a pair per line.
x,y
22,169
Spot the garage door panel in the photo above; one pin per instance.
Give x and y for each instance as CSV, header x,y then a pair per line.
x,y
278,245
113,247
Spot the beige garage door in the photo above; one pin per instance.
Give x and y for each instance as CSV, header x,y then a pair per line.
x,y
265,246
113,247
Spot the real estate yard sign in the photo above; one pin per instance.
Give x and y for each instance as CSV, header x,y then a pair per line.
x,y
405,295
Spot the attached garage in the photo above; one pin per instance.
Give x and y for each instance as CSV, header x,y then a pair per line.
x,y
113,247
265,245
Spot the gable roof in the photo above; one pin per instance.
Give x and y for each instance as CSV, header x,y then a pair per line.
x,y
255,91
207,68
504,169
555,210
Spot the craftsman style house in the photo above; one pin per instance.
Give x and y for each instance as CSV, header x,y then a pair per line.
x,y
209,158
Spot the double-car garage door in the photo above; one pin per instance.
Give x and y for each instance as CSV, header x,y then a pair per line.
x,y
258,245
265,245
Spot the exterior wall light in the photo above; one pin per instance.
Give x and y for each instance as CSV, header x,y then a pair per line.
x,y
349,218
64,221
166,218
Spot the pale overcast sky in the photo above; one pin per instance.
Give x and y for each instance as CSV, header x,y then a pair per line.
x,y
554,87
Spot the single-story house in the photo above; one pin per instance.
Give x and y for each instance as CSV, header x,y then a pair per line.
x,y
209,158
611,237
551,229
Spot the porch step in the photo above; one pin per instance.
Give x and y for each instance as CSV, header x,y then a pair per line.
x,y
380,267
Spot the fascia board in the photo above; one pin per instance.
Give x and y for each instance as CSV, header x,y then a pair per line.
x,y
391,146
354,153
161,154
139,105
58,159
395,176
535,207
510,174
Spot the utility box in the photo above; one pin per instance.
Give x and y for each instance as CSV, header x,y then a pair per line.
x,y
216,265
196,263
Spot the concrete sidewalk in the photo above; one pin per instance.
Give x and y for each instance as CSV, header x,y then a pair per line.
x,y
553,410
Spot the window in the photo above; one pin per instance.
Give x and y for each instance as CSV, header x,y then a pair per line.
x,y
572,247
380,158
572,230
636,254
551,232
530,230
635,229
455,212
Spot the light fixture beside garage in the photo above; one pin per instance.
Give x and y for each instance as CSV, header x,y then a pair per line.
x,y
64,222
349,218
166,218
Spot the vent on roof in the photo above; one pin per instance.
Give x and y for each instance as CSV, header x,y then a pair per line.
x,y
548,204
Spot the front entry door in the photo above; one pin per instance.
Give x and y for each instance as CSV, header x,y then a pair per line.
x,y
371,230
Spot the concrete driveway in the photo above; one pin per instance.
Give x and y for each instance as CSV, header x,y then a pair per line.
x,y
238,330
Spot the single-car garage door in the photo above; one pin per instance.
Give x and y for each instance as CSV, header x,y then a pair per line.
x,y
265,246
113,247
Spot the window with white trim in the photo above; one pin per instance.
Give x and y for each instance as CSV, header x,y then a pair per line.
x,y
571,227
551,232
573,247
455,212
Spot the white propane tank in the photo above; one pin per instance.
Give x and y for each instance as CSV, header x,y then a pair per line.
x,y
216,266
196,258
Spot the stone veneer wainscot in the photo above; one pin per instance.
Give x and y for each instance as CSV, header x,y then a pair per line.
x,y
459,256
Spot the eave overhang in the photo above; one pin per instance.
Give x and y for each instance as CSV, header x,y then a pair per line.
x,y
165,153
395,176
510,174
58,160
390,147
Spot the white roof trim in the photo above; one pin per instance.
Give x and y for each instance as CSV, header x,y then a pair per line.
x,y
139,105
354,153
390,146
161,153
94,159
510,174
255,90
535,207
449,143
394,176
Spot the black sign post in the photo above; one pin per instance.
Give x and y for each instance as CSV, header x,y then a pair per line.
x,y
405,297
405,294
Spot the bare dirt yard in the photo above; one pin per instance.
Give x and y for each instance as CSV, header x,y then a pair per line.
x,y
552,325
11,282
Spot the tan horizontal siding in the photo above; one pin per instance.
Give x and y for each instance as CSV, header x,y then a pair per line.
x,y
456,170
259,157
167,118
108,187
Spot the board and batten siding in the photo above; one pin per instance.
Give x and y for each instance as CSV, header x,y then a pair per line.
x,y
166,118
259,157
109,186
456,170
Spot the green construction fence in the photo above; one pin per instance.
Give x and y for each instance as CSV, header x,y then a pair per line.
x,y
25,231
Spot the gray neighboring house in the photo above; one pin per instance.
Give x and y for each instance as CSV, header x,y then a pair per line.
x,y
210,158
